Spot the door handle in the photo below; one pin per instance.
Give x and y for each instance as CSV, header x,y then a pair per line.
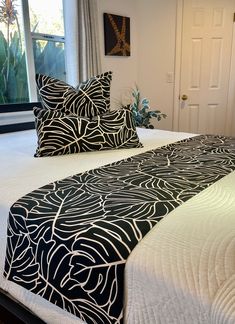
x,y
184,97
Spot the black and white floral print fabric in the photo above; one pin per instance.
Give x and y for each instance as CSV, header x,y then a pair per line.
x,y
69,241
89,99
63,133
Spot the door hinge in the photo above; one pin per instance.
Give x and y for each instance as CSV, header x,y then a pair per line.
x,y
234,17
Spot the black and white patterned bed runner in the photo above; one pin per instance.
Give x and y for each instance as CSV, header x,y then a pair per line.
x,y
69,241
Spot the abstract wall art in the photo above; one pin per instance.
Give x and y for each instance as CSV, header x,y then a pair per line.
x,y
117,35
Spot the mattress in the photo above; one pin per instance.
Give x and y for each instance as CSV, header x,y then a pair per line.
x,y
22,173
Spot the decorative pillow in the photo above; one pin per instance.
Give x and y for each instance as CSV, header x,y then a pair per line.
x,y
59,133
48,114
89,99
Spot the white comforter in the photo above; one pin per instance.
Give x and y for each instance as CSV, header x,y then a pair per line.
x,y
187,279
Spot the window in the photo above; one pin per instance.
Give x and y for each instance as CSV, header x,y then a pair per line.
x,y
47,32
31,41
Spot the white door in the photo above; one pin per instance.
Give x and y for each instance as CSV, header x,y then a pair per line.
x,y
207,33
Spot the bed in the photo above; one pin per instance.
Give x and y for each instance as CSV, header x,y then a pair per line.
x,y
182,271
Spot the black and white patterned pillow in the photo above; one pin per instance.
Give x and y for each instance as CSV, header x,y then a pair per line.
x,y
41,113
60,134
89,99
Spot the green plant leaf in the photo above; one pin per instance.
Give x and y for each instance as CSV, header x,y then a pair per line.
x,y
14,49
145,102
3,51
21,77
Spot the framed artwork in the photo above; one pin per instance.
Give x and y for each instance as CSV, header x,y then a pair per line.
x,y
117,35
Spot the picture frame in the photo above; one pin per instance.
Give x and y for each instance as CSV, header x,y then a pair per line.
x,y
117,35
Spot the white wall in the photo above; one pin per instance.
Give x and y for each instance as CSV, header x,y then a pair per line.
x,y
156,54
152,27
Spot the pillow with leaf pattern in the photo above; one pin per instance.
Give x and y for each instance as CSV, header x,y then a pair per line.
x,y
60,133
89,99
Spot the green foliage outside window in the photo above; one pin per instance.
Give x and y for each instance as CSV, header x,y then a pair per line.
x,y
49,57
13,79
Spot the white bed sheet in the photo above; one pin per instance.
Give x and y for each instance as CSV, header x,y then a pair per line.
x,y
21,173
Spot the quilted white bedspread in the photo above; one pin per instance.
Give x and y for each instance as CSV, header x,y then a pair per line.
x,y
183,271
21,173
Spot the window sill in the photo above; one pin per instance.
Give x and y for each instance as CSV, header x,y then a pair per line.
x,y
17,117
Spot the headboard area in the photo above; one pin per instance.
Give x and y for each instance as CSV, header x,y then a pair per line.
x,y
17,117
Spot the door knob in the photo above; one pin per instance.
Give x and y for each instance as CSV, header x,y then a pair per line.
x,y
184,97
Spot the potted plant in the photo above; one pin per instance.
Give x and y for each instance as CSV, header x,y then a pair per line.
x,y
140,109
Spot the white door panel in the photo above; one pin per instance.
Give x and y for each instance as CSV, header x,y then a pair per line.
x,y
205,65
